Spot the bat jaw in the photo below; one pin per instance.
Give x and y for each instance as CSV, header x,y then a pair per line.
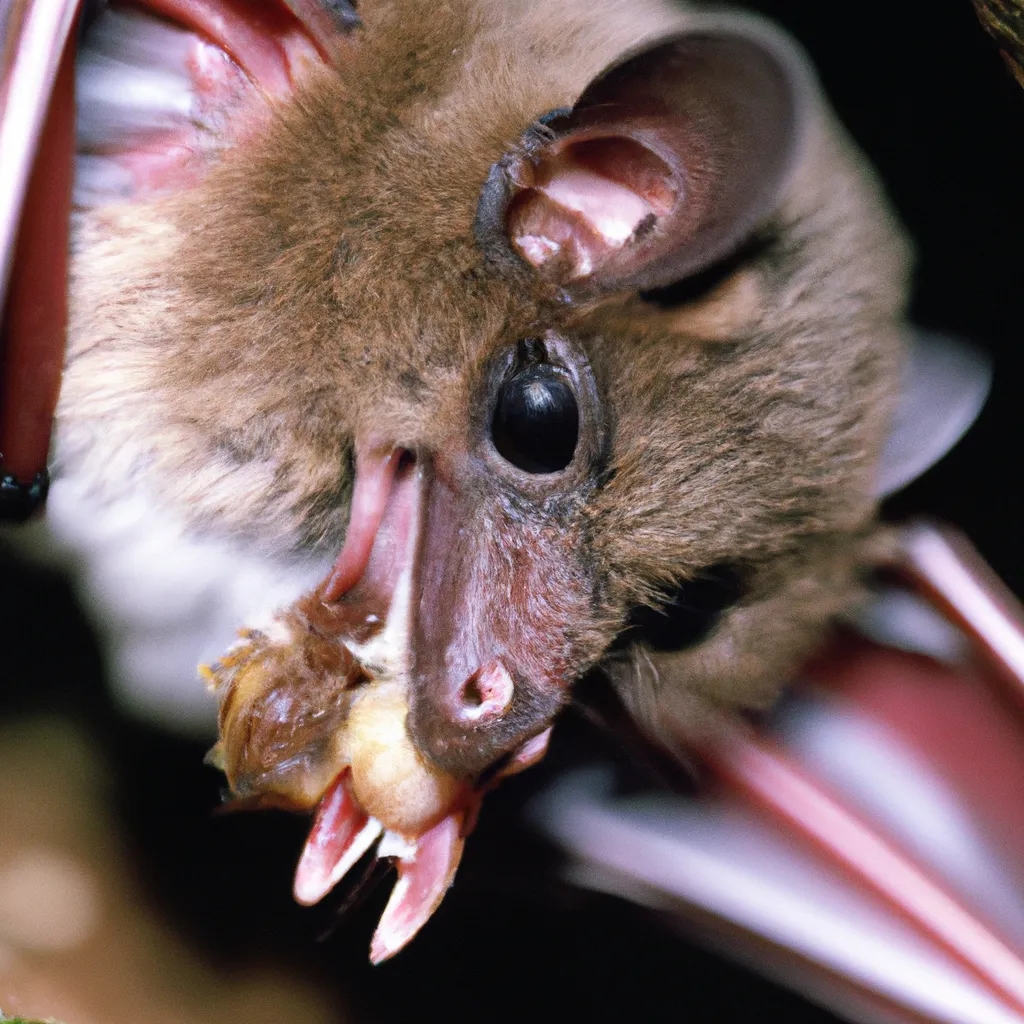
x,y
425,873
314,711
477,687
342,833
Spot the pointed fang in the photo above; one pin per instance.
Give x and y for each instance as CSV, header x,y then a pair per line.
x,y
341,834
424,876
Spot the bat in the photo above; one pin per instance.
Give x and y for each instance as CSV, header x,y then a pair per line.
x,y
454,353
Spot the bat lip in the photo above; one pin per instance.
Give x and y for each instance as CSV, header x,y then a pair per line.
x,y
378,468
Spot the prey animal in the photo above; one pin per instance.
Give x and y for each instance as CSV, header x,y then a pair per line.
x,y
448,344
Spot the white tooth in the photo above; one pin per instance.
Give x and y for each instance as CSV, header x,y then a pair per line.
x,y
395,845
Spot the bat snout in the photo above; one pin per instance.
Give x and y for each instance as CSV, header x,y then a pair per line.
x,y
468,722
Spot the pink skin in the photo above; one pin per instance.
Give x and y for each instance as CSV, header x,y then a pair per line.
x,y
35,313
424,876
529,754
267,43
342,832
375,476
385,495
242,51
487,693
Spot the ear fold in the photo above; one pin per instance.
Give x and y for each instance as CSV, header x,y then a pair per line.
x,y
665,163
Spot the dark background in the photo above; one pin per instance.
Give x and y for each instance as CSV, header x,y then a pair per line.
x,y
925,93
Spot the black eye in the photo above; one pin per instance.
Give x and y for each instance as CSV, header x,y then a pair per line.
x,y
536,420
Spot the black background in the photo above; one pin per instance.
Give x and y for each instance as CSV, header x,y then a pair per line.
x,y
925,93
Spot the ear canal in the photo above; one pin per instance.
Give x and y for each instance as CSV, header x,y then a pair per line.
x,y
666,163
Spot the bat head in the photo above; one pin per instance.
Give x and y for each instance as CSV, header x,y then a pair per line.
x,y
569,331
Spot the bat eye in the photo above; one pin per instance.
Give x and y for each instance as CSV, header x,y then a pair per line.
x,y
536,421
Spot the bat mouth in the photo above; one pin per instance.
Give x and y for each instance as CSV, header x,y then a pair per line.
x,y
343,833
382,476
314,713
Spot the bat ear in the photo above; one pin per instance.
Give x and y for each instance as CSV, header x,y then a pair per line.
x,y
945,384
666,162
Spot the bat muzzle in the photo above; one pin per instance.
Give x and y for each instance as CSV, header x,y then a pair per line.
x,y
426,568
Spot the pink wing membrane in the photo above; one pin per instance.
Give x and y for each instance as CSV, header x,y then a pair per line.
x,y
869,851
36,143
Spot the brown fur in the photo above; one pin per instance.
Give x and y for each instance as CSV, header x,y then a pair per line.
x,y
323,282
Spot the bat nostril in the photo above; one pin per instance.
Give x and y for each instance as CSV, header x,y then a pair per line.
x,y
486,693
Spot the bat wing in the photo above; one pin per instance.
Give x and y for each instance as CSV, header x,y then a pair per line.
x,y
33,38
885,879
37,142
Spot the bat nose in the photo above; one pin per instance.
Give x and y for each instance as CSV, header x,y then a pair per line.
x,y
486,694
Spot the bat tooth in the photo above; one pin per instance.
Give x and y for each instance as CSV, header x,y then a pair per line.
x,y
342,832
425,873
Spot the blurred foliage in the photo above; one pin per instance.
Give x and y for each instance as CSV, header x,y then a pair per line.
x,y
1004,21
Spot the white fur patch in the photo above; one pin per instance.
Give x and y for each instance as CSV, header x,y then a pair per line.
x,y
163,601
